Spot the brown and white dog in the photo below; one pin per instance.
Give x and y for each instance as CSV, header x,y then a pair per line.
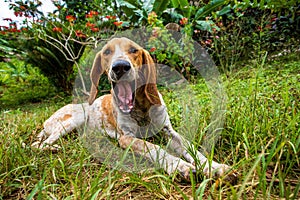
x,y
134,110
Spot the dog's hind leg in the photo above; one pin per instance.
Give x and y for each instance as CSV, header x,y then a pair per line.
x,y
63,121
158,155
183,148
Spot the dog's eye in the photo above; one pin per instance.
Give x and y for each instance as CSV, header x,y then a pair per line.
x,y
107,52
132,50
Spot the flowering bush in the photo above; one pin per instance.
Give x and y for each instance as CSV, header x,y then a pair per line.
x,y
54,43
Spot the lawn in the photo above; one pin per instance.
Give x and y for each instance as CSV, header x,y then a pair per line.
x,y
261,140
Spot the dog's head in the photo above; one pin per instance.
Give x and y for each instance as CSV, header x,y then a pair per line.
x,y
129,67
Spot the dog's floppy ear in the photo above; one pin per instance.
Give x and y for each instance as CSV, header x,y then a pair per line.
x,y
96,72
150,74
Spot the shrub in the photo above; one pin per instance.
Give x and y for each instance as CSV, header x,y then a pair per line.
x,y
250,31
54,43
230,31
21,83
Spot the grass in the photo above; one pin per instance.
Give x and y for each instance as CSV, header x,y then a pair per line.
x,y
261,140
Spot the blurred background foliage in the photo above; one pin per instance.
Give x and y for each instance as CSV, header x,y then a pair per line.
x,y
46,49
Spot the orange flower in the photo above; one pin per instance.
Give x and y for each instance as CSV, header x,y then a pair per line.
x,y
79,34
152,17
22,7
152,49
93,13
118,23
88,16
110,17
183,21
94,29
57,29
89,24
152,14
70,18
14,30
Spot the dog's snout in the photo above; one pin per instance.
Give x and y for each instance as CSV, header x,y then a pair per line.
x,y
120,67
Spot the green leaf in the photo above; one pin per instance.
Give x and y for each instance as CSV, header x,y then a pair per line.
x,y
161,56
209,8
174,14
3,41
204,25
201,189
183,6
127,7
5,78
4,48
159,6
148,5
11,66
126,4
46,51
180,3
224,10
125,23
95,195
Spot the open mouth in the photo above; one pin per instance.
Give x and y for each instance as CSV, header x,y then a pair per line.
x,y
124,93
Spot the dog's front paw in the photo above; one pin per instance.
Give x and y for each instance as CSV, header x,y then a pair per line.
x,y
46,141
44,146
222,171
174,165
185,169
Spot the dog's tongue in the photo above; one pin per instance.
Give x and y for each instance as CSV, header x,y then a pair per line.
x,y
125,96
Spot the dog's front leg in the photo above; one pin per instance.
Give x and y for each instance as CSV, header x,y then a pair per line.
x,y
184,148
63,121
157,155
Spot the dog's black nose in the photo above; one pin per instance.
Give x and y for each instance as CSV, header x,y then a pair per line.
x,y
120,67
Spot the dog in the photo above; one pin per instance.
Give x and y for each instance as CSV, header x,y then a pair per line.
x,y
131,112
